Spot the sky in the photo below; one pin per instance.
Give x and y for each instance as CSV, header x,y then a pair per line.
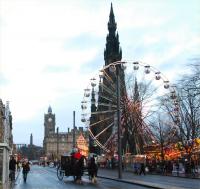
x,y
49,50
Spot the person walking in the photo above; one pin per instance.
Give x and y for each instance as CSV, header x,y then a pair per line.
x,y
26,169
142,169
12,168
193,168
18,166
113,163
177,168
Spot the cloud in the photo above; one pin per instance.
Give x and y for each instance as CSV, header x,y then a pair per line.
x,y
3,80
55,69
49,50
88,41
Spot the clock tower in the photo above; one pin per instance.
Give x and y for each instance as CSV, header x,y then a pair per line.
x,y
54,143
49,123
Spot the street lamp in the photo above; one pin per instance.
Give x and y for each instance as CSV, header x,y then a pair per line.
x,y
115,67
57,141
74,137
119,122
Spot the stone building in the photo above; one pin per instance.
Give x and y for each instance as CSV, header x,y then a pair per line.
x,y
56,143
6,141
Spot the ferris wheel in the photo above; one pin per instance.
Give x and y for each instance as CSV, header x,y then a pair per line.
x,y
141,89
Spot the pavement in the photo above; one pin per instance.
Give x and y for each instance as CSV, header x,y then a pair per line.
x,y
148,180
12,184
9,184
151,181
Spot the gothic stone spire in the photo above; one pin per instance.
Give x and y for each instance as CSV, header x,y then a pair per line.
x,y
112,26
112,51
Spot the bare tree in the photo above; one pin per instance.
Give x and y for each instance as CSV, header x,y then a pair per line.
x,y
164,132
186,113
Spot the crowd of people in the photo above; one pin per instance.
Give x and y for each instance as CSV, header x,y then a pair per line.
x,y
144,166
175,167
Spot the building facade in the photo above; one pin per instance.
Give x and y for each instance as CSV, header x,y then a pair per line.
x,y
6,141
56,143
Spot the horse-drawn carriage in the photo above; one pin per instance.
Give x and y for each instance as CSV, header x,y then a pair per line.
x,y
74,166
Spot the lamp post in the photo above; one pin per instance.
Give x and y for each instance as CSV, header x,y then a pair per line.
x,y
119,123
115,67
57,141
74,140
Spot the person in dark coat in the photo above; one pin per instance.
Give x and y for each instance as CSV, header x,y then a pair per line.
x,y
142,169
177,168
26,169
92,169
79,168
12,168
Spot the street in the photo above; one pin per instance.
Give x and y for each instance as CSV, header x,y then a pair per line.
x,y
46,178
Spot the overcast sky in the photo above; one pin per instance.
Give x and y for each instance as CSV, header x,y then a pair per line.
x,y
49,50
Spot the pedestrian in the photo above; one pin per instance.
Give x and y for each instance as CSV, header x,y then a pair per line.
x,y
142,169
164,170
113,162
12,168
138,168
26,169
193,168
177,168
55,163
135,168
18,166
107,163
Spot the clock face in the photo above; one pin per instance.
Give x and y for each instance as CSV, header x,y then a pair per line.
x,y
50,120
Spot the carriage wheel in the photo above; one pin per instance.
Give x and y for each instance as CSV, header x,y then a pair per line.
x,y
60,173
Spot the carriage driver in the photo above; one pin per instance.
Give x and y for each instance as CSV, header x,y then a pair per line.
x,y
77,166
